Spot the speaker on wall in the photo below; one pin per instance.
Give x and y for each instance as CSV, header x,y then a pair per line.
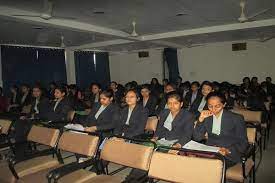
x,y
142,54
239,46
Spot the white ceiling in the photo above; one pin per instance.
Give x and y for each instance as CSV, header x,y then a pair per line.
x,y
156,20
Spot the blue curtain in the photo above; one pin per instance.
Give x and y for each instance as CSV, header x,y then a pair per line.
x,y
30,65
92,67
51,65
171,57
102,69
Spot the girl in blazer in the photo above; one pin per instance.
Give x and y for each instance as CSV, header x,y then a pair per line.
x,y
104,115
225,129
148,101
200,103
133,116
59,108
175,124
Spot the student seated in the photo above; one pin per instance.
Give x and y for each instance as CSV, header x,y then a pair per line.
x,y
169,87
118,92
22,126
133,117
93,97
25,96
156,88
59,108
18,100
224,129
104,115
14,99
175,124
148,101
193,94
200,103
39,104
3,102
230,102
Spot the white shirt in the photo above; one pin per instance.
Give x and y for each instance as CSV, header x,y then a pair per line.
x,y
129,115
96,98
194,96
14,98
100,110
56,104
168,122
24,98
184,93
145,102
202,104
35,106
217,121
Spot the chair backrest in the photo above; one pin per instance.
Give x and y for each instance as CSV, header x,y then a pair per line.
x,y
5,126
70,116
249,116
79,143
26,109
251,135
152,123
177,168
131,155
43,135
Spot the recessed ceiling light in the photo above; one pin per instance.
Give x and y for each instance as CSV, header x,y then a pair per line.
x,y
37,28
180,14
98,12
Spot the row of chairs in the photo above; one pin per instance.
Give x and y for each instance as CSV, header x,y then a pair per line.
x,y
48,165
238,172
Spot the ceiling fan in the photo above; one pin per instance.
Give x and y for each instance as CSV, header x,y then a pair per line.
x,y
243,18
47,13
62,44
134,33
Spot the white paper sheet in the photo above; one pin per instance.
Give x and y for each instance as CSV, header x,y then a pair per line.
x,y
192,145
74,127
165,142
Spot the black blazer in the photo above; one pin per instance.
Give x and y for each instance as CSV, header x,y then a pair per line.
x,y
137,121
194,107
108,119
229,103
118,95
17,99
188,97
43,105
27,100
161,105
182,126
232,136
60,113
150,105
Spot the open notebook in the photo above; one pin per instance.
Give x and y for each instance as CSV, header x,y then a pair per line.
x,y
192,145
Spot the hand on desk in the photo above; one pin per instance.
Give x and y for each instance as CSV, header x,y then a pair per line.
x,y
224,151
90,129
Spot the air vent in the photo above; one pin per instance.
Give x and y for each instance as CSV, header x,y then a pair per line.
x,y
143,54
239,46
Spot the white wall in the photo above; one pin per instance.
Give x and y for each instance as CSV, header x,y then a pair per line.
x,y
217,62
128,67
214,61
